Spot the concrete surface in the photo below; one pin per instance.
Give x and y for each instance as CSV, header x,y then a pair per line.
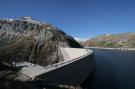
x,y
70,55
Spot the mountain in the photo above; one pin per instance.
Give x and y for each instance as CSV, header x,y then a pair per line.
x,y
112,40
27,39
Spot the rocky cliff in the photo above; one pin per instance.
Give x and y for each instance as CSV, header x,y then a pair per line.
x,y
31,40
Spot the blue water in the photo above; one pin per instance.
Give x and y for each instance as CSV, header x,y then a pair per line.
x,y
114,69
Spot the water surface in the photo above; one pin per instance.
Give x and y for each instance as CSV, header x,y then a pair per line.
x,y
115,69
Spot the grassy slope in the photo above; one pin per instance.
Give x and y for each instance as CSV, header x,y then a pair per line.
x,y
116,40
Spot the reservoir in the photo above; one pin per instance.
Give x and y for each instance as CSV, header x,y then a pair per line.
x,y
115,69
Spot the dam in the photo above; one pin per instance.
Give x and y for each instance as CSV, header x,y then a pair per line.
x,y
77,65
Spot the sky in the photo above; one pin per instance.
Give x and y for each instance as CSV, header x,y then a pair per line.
x,y
81,19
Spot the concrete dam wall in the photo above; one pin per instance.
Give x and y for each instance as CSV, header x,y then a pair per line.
x,y
72,73
77,65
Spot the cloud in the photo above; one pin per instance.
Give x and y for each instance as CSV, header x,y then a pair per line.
x,y
81,39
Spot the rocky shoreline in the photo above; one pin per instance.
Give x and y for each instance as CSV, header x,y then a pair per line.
x,y
133,49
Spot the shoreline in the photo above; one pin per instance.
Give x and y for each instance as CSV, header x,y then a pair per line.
x,y
132,49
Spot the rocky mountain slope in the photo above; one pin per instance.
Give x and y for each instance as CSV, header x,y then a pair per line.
x,y
26,39
112,40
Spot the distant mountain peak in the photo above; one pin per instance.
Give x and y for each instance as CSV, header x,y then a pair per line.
x,y
25,18
24,23
31,20
7,19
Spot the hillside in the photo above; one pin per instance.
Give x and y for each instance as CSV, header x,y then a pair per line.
x,y
27,39
112,40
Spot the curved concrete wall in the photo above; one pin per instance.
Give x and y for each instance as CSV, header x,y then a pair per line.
x,y
73,71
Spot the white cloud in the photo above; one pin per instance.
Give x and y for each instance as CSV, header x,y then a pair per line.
x,y
81,39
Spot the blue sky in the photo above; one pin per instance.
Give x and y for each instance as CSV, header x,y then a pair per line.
x,y
79,18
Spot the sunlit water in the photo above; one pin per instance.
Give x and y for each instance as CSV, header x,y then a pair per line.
x,y
114,70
